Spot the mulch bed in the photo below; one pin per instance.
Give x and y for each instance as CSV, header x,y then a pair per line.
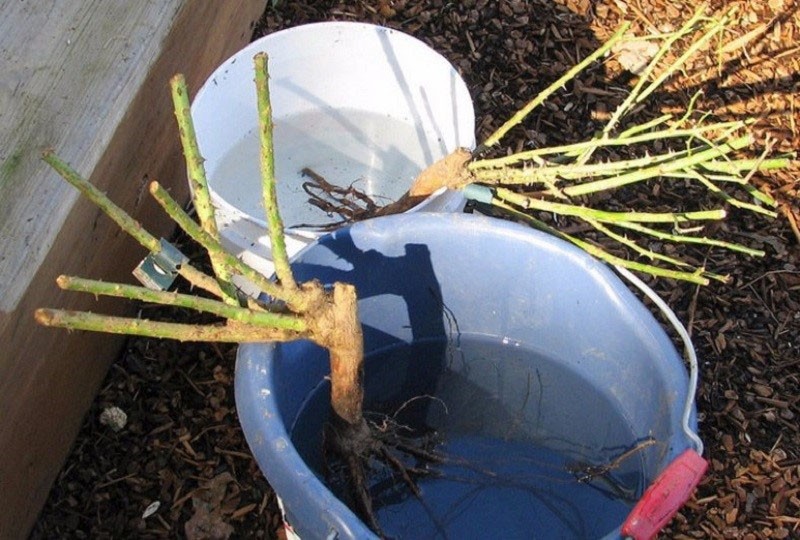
x,y
182,449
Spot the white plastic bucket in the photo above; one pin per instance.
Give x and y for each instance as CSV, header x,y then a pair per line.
x,y
358,104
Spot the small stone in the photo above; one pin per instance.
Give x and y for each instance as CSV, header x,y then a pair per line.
x,y
114,417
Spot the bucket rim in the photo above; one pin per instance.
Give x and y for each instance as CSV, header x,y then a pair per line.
x,y
231,210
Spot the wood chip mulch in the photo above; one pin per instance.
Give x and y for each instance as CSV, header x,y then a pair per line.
x,y
181,468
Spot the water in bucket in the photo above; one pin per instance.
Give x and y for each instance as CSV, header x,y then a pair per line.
x,y
509,471
377,154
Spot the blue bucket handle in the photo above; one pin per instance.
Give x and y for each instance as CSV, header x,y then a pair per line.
x,y
688,348
676,483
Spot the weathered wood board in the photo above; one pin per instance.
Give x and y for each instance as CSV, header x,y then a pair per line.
x,y
89,79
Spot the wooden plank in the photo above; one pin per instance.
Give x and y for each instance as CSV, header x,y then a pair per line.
x,y
94,85
55,54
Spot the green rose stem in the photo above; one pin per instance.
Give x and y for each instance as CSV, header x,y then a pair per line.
x,y
685,239
254,322
80,320
294,298
698,276
126,222
329,317
533,203
518,117
276,236
197,179
531,181
622,140
143,294
660,169
633,96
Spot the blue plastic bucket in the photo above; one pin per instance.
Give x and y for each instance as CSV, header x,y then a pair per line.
x,y
540,362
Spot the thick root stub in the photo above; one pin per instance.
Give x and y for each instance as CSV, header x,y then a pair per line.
x,y
359,456
365,461
450,171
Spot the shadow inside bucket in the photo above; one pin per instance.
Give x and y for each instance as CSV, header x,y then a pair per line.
x,y
497,405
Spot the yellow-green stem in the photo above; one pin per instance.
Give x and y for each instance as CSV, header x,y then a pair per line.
x,y
293,298
622,140
556,172
495,137
652,255
235,333
660,169
625,106
689,108
716,27
583,212
692,277
197,179
735,166
274,222
242,315
685,239
126,222
730,199
633,130
759,195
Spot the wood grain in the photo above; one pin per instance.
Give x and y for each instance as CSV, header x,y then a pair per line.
x,y
93,85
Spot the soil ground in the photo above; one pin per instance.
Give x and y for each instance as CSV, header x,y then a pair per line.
x,y
182,447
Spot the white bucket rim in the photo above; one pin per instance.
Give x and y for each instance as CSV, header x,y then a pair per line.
x,y
229,211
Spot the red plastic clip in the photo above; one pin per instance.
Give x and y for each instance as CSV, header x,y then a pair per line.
x,y
665,496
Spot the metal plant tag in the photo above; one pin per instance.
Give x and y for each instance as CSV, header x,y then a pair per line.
x,y
158,270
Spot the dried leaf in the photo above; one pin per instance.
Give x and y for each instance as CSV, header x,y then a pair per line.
x,y
634,55
208,523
